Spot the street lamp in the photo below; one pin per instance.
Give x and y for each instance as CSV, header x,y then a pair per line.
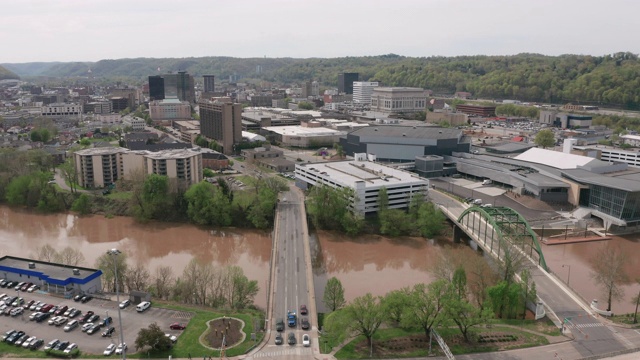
x,y
569,275
115,252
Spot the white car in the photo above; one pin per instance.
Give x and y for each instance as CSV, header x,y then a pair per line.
x,y
53,320
33,315
71,325
35,305
70,348
120,348
306,340
110,349
61,320
124,303
86,327
17,311
32,288
69,310
173,338
27,342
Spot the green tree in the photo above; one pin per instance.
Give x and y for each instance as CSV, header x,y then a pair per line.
x,y
366,315
243,289
425,308
529,292
261,211
394,303
153,337
545,138
107,264
207,205
429,220
465,315
85,142
322,197
333,297
305,105
69,174
82,205
154,199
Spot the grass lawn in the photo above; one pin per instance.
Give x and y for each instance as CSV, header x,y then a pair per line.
x,y
626,319
120,195
355,349
246,180
188,342
244,197
19,351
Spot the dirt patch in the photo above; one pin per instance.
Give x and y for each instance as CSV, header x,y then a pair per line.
x,y
495,340
224,328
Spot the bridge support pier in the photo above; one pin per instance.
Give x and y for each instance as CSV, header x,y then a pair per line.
x,y
458,234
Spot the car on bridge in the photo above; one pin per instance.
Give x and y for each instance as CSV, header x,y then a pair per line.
x,y
292,320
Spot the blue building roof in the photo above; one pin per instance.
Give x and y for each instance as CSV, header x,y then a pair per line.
x,y
53,273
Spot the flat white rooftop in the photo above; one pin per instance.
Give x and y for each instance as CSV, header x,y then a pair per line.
x,y
347,173
555,159
297,130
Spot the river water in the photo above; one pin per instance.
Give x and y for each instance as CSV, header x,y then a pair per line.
x,y
374,264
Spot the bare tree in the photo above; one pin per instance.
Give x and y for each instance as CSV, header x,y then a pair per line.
x,y
70,256
636,300
609,273
69,174
107,264
47,253
138,278
163,280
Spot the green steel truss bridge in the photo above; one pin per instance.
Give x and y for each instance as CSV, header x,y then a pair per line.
x,y
497,227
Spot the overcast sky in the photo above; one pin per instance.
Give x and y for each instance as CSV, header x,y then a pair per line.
x,y
91,30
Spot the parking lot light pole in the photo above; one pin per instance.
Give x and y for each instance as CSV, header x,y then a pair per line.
x,y
114,253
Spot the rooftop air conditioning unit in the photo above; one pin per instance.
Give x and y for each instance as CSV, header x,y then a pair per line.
x,y
76,271
32,265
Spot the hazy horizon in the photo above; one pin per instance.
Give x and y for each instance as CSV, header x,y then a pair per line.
x,y
80,31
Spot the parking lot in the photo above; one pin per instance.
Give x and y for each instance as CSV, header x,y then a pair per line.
x,y
132,322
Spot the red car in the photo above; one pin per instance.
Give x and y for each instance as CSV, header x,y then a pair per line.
x,y
303,310
177,326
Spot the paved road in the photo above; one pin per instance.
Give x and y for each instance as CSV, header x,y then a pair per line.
x,y
292,285
592,335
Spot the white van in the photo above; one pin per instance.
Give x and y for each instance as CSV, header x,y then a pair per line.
x,y
143,306
477,202
487,182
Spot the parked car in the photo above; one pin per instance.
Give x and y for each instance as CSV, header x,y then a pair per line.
x,y
17,302
78,297
107,321
26,343
291,339
173,338
74,313
86,327
306,340
86,317
279,340
86,298
121,348
61,345
124,303
61,320
36,344
94,329
33,288
26,286
7,334
21,339
53,309
71,325
108,332
68,311
28,304
177,326
52,344
53,320
35,305
70,348
17,311
42,317
109,350
61,310
14,337
303,310
33,315
93,318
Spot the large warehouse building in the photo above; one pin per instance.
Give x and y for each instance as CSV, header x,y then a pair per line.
x,y
391,143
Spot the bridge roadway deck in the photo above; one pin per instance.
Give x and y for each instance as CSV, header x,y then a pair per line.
x,y
592,336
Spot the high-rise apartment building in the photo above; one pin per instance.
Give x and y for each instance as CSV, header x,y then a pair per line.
x,y
345,82
209,83
221,120
362,91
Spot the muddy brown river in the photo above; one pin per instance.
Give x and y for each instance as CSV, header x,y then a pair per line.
x,y
374,264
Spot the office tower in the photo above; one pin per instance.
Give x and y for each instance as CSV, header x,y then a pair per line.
x,y
180,85
345,82
156,87
209,83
